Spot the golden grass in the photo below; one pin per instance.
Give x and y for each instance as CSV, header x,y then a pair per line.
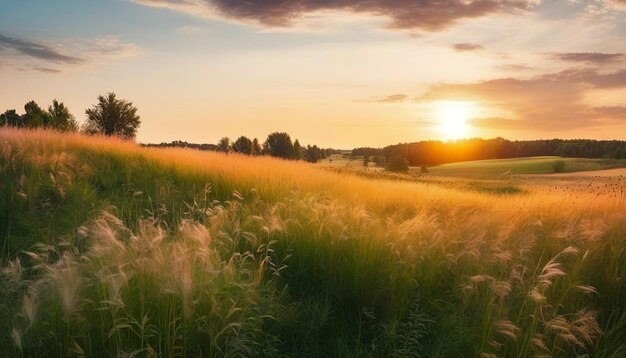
x,y
447,269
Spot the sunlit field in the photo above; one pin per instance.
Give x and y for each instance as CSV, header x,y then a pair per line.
x,y
111,249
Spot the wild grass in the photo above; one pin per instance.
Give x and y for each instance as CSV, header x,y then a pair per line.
x,y
110,249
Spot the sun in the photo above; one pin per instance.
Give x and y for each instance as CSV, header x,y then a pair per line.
x,y
453,116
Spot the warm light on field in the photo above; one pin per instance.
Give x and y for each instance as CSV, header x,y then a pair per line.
x,y
453,117
192,243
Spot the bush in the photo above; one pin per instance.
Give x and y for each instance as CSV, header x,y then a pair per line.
x,y
398,164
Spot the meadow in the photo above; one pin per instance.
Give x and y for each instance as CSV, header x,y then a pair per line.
x,y
530,165
111,249
487,169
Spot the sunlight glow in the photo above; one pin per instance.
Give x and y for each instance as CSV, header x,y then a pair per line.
x,y
453,117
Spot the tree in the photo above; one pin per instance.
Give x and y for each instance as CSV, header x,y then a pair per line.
x,y
278,144
243,145
366,160
312,154
297,150
224,145
34,116
60,118
112,117
256,147
10,118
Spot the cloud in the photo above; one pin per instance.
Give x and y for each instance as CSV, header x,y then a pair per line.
x,y
394,98
37,50
38,69
429,15
29,55
552,101
589,57
467,47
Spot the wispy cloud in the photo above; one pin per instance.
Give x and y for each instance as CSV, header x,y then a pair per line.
x,y
467,47
394,98
429,15
588,57
37,50
30,55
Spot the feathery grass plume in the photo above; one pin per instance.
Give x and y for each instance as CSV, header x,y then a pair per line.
x,y
30,305
67,282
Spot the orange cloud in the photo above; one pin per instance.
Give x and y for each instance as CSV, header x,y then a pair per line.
x,y
589,57
551,101
467,47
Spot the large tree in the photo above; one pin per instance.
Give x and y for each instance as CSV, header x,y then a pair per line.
x,y
243,145
112,117
224,145
60,118
35,116
278,144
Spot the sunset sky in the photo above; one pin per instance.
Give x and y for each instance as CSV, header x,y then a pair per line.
x,y
337,73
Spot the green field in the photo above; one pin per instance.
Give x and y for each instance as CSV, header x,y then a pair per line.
x,y
109,249
494,168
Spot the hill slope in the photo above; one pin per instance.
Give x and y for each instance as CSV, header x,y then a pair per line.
x,y
491,168
109,247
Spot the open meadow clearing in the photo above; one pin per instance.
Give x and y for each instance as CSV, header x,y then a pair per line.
x,y
111,249
494,168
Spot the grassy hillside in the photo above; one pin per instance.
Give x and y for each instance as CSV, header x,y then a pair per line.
x,y
529,165
111,249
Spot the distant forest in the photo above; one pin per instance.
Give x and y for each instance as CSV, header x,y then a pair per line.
x,y
438,152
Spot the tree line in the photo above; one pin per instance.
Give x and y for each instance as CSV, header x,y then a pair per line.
x,y
439,152
277,144
110,117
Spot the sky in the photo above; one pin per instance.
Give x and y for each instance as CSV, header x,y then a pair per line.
x,y
336,73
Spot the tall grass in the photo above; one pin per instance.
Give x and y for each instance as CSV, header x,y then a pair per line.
x,y
111,249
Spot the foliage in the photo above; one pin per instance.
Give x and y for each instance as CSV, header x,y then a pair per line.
x,y
10,118
298,154
313,154
397,163
60,118
243,145
224,145
256,147
112,117
278,144
57,117
34,116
